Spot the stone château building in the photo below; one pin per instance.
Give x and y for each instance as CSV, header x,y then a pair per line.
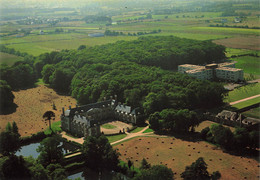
x,y
225,71
85,120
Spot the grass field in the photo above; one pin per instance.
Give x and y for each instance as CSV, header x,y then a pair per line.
x,y
148,130
108,126
9,59
56,127
32,104
243,92
243,42
177,154
137,129
71,42
254,113
247,103
115,137
249,64
233,51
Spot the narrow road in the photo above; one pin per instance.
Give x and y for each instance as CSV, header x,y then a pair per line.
x,y
246,99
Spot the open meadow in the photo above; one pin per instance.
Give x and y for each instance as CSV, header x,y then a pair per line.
x,y
32,104
249,64
177,154
192,25
9,59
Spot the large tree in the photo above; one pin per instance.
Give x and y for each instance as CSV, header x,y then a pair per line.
x,y
10,140
198,171
7,97
50,150
99,154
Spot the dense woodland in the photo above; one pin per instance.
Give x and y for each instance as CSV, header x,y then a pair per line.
x,y
139,72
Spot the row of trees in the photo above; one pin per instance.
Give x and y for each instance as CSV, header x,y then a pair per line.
x,y
238,140
5,49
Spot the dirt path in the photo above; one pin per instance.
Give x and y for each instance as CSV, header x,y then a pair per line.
x,y
242,100
129,136
138,134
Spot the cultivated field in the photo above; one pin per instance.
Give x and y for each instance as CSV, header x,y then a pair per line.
x,y
9,59
241,42
32,104
177,154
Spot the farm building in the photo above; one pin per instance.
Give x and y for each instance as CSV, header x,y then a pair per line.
x,y
85,120
225,71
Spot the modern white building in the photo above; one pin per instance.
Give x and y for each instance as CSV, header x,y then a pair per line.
x,y
225,71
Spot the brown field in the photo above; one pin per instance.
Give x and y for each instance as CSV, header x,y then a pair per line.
x,y
177,154
32,103
240,42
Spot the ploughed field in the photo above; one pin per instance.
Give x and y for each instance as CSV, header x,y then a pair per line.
x,y
177,154
32,104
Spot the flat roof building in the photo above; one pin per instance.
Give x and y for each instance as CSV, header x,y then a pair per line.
x,y
225,71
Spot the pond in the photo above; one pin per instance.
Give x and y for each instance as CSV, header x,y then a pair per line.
x,y
88,174
30,150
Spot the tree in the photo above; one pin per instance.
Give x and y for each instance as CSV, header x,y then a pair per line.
x,y
129,163
198,171
157,172
99,154
37,171
222,136
48,116
46,72
145,164
15,168
241,136
50,151
9,143
15,128
60,79
82,47
56,172
7,97
154,121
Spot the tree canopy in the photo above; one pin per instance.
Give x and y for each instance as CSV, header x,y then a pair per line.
x,y
198,171
50,150
7,97
99,154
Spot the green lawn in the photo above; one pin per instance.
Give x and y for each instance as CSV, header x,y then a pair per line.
x,y
247,103
243,92
116,137
137,129
148,130
249,64
55,128
254,113
9,59
108,126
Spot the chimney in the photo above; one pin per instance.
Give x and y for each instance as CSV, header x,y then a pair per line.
x,y
63,111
